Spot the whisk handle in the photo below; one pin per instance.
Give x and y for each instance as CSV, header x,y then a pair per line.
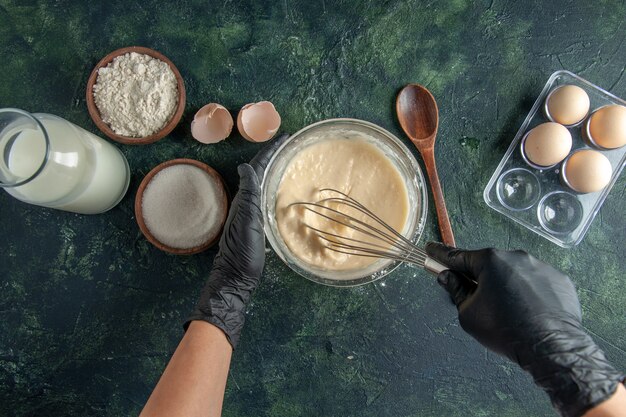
x,y
435,268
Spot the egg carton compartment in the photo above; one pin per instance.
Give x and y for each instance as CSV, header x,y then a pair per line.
x,y
537,197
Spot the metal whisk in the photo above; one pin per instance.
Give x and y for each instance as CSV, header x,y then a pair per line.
x,y
380,240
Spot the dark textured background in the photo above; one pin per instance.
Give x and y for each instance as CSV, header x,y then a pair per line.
x,y
90,312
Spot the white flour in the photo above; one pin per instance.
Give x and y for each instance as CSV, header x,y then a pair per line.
x,y
182,206
136,94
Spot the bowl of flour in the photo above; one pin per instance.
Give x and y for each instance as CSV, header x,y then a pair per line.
x,y
135,95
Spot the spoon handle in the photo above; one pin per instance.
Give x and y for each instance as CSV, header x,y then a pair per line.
x,y
428,155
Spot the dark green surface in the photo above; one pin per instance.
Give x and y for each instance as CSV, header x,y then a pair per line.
x,y
90,312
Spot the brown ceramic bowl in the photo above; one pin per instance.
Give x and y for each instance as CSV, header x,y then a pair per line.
x,y
95,113
139,212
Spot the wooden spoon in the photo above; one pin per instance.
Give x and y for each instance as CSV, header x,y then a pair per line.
x,y
419,117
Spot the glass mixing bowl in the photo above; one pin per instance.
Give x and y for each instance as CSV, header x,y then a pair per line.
x,y
397,153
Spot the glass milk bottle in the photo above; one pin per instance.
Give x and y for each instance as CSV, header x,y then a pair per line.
x,y
51,162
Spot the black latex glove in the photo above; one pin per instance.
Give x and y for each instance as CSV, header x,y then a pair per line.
x,y
529,312
239,262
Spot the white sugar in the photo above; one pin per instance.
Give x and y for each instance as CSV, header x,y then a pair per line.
x,y
182,206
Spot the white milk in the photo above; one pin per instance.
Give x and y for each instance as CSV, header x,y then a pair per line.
x,y
83,173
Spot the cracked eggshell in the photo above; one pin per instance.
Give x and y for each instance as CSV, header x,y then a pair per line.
x,y
258,122
212,123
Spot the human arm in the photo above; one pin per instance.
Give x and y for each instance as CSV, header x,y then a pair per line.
x,y
529,312
194,381
614,406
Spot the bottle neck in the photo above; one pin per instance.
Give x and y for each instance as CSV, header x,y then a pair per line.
x,y
24,147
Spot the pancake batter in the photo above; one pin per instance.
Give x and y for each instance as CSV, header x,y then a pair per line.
x,y
352,166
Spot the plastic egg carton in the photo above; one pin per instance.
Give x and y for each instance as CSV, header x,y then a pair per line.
x,y
537,198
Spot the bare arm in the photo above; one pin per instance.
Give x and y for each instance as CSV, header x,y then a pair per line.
x,y
615,406
194,381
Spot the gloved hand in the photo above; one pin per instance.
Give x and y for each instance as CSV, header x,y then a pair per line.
x,y
529,312
239,262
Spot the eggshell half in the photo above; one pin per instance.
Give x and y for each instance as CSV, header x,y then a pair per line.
x,y
212,123
568,104
607,126
587,171
548,144
258,122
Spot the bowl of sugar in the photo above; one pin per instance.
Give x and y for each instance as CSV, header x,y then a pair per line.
x,y
181,206
135,95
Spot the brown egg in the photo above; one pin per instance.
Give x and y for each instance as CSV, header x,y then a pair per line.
x,y
567,104
587,171
258,122
607,127
547,144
